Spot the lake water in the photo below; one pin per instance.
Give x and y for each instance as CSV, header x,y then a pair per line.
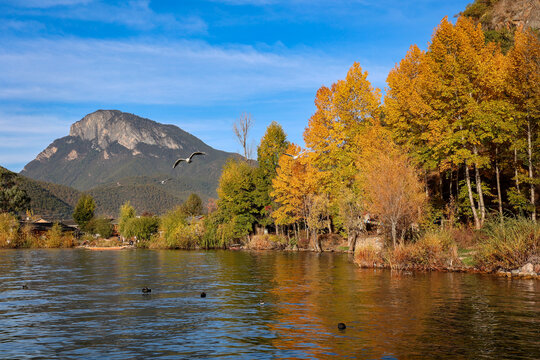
x,y
88,304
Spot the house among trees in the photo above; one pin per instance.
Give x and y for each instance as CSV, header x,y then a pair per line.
x,y
40,225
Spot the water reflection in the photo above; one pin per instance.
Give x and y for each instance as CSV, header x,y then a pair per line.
x,y
81,303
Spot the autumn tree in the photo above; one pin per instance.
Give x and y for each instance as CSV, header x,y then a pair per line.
x,y
394,193
291,186
343,112
448,107
524,89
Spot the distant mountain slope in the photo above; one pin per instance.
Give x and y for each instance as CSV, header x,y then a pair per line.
x,y
48,200
505,14
146,194
109,146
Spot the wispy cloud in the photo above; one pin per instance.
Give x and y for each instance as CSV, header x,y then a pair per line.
x,y
44,3
138,71
136,14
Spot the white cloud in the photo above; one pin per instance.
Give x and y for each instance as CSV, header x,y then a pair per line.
x,y
136,14
44,3
145,72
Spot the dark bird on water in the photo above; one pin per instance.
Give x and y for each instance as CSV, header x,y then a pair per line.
x,y
341,326
189,159
203,294
146,290
25,287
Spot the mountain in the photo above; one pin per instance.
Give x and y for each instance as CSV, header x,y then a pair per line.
x,y
500,18
116,156
505,14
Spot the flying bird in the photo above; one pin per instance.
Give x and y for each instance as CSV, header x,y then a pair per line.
x,y
164,181
188,160
295,156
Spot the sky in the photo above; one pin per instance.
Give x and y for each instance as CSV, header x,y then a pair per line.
x,y
197,64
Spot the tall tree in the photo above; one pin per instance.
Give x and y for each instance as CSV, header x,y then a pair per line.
x,y
524,86
343,112
84,211
126,212
273,145
447,106
236,204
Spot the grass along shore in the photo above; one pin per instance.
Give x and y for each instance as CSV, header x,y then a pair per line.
x,y
512,249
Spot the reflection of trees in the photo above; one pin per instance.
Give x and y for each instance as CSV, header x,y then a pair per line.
x,y
408,315
403,314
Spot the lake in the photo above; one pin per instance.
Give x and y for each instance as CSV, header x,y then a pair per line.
x,y
259,305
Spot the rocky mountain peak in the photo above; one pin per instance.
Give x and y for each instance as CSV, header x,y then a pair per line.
x,y
104,127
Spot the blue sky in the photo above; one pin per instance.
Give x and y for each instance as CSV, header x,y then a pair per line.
x,y
197,64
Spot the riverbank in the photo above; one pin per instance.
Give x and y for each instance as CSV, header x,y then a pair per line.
x,y
512,250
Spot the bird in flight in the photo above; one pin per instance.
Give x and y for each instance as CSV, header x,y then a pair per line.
x,y
295,156
164,181
188,160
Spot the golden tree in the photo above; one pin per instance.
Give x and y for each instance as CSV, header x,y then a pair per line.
x,y
524,88
393,191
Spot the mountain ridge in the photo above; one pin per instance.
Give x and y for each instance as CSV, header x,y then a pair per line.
x,y
109,146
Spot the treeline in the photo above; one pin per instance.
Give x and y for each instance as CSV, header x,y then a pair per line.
x,y
145,197
455,141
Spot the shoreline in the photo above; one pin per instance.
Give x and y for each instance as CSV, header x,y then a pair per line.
x,y
520,273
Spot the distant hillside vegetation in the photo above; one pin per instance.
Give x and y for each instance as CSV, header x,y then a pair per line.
x,y
499,18
146,194
48,200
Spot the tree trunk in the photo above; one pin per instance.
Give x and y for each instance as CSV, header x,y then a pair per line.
x,y
481,205
394,232
450,182
531,173
497,175
471,198
441,190
516,171
351,241
316,241
426,184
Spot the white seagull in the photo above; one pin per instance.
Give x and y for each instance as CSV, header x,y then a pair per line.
x,y
188,160
296,156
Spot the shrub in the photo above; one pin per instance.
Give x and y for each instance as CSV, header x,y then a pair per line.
x,y
141,228
100,226
266,242
434,250
367,255
55,238
508,246
27,239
